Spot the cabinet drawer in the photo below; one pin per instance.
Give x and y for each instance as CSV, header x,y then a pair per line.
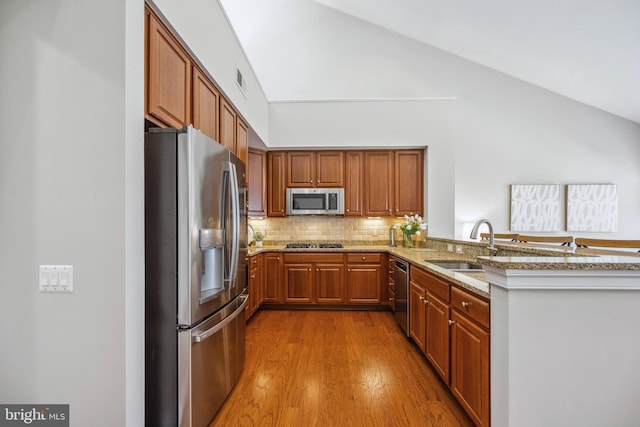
x,y
313,257
472,306
431,283
364,257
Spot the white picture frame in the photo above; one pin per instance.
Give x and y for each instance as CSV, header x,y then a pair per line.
x,y
535,207
592,207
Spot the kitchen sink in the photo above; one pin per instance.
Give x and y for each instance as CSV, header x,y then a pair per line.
x,y
457,266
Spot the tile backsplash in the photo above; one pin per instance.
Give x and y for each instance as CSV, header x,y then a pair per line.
x,y
325,229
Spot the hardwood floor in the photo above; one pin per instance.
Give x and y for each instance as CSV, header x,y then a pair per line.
x,y
335,368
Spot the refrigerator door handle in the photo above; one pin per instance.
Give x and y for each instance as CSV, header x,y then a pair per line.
x,y
211,331
235,221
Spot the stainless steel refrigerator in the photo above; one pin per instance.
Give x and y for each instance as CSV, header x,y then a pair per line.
x,y
195,284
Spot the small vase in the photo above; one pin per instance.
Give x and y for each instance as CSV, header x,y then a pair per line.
x,y
408,240
258,243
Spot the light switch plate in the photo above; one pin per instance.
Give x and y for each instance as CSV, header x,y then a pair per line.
x,y
449,247
56,278
458,249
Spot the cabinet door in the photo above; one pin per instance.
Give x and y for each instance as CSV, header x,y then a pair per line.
x,y
363,283
206,99
329,283
408,182
275,183
437,335
300,169
272,278
353,187
227,125
329,169
470,367
298,283
253,302
378,183
417,314
169,78
242,140
257,187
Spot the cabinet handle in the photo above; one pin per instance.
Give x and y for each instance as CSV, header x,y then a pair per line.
x,y
347,210
450,322
349,269
311,182
425,302
465,304
317,269
278,259
421,297
318,181
253,276
363,258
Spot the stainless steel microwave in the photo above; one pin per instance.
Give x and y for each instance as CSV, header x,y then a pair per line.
x,y
315,201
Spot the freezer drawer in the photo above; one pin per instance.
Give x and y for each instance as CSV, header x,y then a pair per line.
x,y
211,357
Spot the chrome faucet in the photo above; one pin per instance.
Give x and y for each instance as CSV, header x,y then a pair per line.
x,y
476,227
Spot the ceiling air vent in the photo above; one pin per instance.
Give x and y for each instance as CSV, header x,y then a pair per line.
x,y
240,81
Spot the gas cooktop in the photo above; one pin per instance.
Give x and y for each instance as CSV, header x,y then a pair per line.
x,y
301,245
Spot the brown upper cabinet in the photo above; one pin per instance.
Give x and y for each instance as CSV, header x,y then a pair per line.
x,y
276,183
353,174
168,80
178,92
242,140
408,182
206,99
378,183
257,176
315,168
227,125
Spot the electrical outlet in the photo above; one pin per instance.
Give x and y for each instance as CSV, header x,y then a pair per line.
x,y
458,249
449,247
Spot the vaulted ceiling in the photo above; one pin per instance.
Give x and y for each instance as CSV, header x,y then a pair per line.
x,y
588,51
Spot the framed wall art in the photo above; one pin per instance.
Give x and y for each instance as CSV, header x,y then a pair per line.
x,y
535,207
592,207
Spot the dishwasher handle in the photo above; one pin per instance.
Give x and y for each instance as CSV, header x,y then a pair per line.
x,y
211,331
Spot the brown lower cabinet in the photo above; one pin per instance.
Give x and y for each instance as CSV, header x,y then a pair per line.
x,y
255,284
451,327
324,278
364,278
272,278
313,278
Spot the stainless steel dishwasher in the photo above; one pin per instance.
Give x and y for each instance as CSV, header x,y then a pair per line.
x,y
401,277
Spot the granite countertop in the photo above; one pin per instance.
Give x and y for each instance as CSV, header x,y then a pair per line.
x,y
533,257
602,262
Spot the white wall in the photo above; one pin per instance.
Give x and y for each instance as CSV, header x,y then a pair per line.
x,y
498,131
203,26
70,193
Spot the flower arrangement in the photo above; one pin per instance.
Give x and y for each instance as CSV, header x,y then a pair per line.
x,y
258,236
412,225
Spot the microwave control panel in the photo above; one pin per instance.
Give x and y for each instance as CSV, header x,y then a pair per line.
x,y
333,201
